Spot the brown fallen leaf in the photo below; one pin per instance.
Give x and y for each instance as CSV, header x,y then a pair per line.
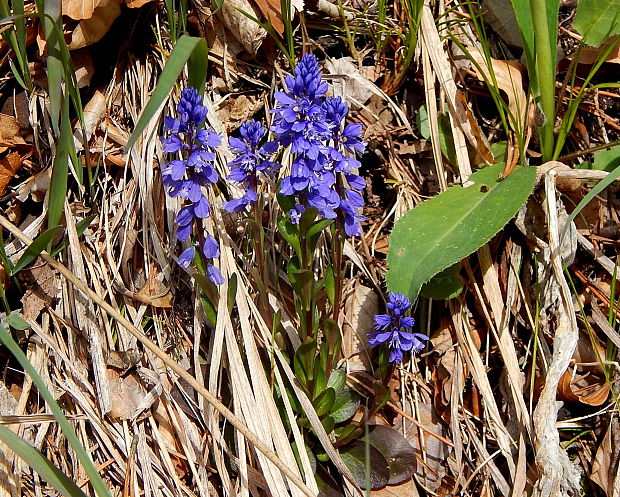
x,y
126,394
359,310
407,488
92,29
603,471
509,79
79,9
136,4
83,67
9,165
42,291
10,134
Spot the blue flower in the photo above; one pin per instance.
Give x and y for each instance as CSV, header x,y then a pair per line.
x,y
314,128
249,161
186,176
390,329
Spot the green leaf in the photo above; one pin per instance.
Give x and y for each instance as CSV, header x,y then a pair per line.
x,y
375,467
181,53
337,380
446,140
304,360
14,320
597,20
324,402
197,65
330,285
48,472
445,285
452,225
63,423
290,232
604,160
396,449
421,121
345,406
302,282
35,248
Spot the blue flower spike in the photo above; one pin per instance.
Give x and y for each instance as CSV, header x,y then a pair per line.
x,y
251,159
314,127
185,177
390,329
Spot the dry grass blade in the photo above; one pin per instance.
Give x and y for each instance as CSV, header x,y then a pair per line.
x,y
157,351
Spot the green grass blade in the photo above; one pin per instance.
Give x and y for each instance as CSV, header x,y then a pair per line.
x,y
600,186
63,423
34,249
177,60
60,171
40,464
51,20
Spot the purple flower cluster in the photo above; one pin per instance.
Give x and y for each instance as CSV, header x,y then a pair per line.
x,y
251,159
184,177
314,128
391,329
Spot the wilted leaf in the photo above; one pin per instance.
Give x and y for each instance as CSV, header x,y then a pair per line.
x,y
398,452
359,311
375,468
126,394
92,29
42,291
10,134
9,165
603,473
83,67
508,78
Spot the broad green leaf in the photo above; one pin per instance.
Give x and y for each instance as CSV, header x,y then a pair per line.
x,y
396,449
345,406
452,225
604,160
68,431
366,464
445,285
597,20
35,248
303,361
181,53
50,473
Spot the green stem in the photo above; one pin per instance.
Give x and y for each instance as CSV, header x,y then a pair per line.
x,y
545,70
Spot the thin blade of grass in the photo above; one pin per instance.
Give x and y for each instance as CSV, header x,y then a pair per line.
x,y
60,171
65,426
179,56
33,250
40,464
600,186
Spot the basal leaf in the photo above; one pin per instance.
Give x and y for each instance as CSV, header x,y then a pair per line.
x,y
452,225
396,449
345,405
444,285
367,465
597,20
